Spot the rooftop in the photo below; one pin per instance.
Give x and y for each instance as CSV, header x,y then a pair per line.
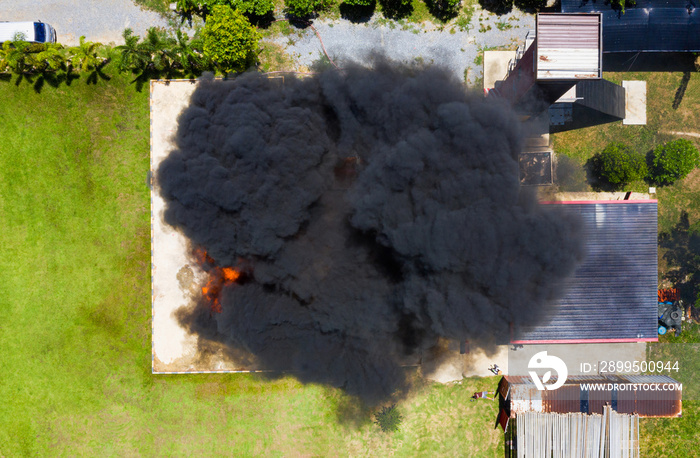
x,y
612,296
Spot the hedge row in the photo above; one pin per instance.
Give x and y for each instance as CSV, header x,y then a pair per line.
x,y
255,9
228,43
619,164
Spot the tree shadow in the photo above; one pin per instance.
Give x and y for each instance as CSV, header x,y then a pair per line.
x,y
498,7
682,254
681,90
531,6
97,73
261,22
300,22
441,9
598,185
357,13
396,9
24,77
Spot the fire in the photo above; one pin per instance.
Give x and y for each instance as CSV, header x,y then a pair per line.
x,y
218,278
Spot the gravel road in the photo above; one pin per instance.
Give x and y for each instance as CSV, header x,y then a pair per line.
x,y
101,21
451,47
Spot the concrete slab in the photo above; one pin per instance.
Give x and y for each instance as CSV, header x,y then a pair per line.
x,y
590,196
496,67
445,364
635,102
581,359
176,278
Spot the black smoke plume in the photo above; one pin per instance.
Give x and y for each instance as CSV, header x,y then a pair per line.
x,y
375,210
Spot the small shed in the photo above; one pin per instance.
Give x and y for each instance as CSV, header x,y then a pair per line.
x,y
568,46
643,395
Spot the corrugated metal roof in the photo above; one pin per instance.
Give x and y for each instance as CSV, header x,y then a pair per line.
x,y
612,295
525,397
568,46
574,435
650,25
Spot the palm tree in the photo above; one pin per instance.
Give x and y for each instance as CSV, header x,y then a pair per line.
x,y
16,56
188,56
49,59
159,47
4,53
132,55
84,57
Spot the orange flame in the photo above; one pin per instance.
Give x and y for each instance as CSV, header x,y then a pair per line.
x,y
218,278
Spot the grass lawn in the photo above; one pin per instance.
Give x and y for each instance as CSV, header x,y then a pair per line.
x,y
662,118
75,366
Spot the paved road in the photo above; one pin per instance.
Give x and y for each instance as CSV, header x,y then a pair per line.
x,y
407,42
98,20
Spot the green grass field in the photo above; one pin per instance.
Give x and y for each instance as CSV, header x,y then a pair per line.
x,y
75,365
75,375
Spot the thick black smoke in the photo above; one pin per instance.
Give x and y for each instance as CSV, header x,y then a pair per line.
x,y
375,210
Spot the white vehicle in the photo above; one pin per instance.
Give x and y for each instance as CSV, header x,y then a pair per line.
x,y
34,32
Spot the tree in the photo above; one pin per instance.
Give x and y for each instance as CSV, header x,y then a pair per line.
x,y
188,55
254,7
304,8
443,9
673,161
618,164
388,418
84,56
133,57
229,39
361,3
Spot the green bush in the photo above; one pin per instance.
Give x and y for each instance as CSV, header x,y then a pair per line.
x,y
619,164
673,161
254,7
304,8
229,40
388,418
360,2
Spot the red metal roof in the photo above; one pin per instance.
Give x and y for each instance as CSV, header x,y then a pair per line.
x,y
524,396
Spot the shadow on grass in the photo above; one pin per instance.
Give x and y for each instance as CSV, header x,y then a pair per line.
x,y
351,412
442,10
498,7
531,6
262,22
596,183
682,245
681,90
396,9
357,13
